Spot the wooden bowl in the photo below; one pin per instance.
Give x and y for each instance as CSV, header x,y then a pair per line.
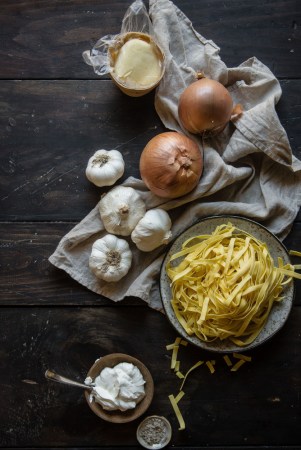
x,y
113,52
117,416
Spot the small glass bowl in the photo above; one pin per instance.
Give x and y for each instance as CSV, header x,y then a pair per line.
x,y
113,52
150,425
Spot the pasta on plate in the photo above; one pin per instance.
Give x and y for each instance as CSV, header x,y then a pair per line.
x,y
225,285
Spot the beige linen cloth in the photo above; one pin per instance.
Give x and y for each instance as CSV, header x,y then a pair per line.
x,y
249,169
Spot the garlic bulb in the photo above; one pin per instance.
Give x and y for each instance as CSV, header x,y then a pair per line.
x,y
105,167
152,230
110,258
121,209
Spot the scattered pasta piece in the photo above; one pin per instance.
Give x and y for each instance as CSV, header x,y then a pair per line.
x,y
170,346
227,360
175,363
174,356
177,366
240,356
177,411
295,253
179,396
176,343
238,365
199,363
210,366
180,375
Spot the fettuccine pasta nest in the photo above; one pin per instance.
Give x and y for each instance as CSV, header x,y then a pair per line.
x,y
226,284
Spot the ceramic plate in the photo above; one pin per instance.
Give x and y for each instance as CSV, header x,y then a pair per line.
x,y
279,312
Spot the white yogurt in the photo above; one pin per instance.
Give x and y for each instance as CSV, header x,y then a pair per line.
x,y
120,387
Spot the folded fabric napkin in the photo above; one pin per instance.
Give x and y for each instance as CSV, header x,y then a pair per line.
x,y
249,168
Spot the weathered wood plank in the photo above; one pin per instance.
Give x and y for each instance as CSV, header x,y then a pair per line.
x,y
252,407
49,129
27,278
31,49
206,447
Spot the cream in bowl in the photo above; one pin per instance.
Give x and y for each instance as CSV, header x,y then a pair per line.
x,y
122,388
136,63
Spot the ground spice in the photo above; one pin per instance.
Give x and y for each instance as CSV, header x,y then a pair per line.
x,y
155,432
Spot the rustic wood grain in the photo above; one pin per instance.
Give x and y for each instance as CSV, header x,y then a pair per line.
x,y
216,407
199,447
46,39
51,128
54,113
27,277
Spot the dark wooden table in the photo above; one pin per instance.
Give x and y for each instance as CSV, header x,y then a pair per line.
x,y
54,112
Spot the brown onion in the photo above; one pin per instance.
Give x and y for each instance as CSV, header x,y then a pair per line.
x,y
205,105
171,165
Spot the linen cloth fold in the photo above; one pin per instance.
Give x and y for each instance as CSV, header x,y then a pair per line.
x,y
249,168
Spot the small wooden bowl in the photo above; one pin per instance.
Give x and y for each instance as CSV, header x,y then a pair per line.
x,y
113,52
121,416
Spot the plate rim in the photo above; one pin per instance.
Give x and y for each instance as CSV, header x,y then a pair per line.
x,y
206,345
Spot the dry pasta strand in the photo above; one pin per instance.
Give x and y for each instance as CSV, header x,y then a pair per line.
x,y
171,346
177,366
227,360
240,356
174,357
238,365
179,396
295,253
210,366
199,363
179,374
177,412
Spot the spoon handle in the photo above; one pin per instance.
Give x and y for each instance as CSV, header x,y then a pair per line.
x,y
50,375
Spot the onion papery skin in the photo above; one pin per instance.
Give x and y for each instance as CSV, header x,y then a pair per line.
x,y
205,105
171,165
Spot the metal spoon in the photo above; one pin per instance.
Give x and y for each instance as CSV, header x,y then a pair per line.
x,y
53,376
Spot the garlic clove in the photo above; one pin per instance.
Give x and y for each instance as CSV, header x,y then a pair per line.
x,y
153,230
